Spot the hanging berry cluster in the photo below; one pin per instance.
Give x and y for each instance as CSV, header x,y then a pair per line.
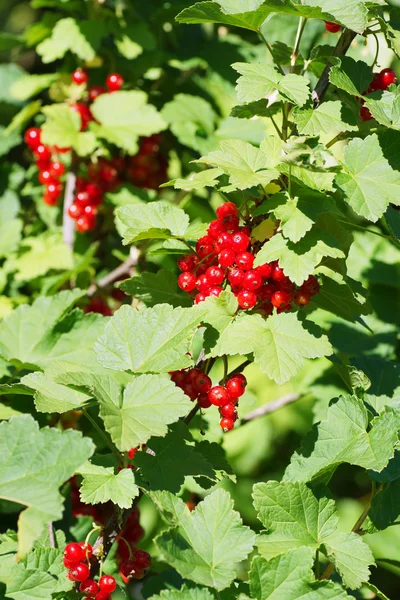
x,y
226,255
77,561
198,386
132,562
380,82
147,169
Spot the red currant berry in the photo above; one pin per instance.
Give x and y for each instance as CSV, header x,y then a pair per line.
x,y
203,401
215,275
139,574
114,82
204,246
85,224
32,137
187,263
102,596
89,587
187,281
202,284
332,27
54,190
226,258
79,77
192,374
231,222
132,452
266,292
84,113
246,299
42,152
236,386
95,193
189,390
277,273
142,559
311,286
74,552
252,280
386,78
75,211
128,568
57,169
178,377
91,211
87,548
224,241
107,584
239,242
218,396
200,298
215,290
215,229
79,572
82,198
229,411
281,299
202,384
47,178
265,270
226,209
245,260
365,114
227,424
69,563
95,91
235,277
301,298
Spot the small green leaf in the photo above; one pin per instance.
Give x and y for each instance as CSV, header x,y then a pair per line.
x,y
156,220
352,557
197,181
68,35
62,128
41,254
101,485
192,120
351,76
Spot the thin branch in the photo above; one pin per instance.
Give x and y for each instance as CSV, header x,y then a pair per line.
x,y
52,541
294,56
103,436
68,223
115,274
341,48
271,407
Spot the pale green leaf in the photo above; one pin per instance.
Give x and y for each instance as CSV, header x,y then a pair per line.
x,y
197,181
62,128
41,254
368,181
35,463
156,220
192,120
205,544
152,340
351,556
30,584
66,36
101,485
185,593
51,397
221,310
328,117
29,85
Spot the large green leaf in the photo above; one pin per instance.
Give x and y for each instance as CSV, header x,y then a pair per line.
x,y
185,593
246,165
62,128
279,344
258,81
27,584
290,577
101,485
346,436
34,465
328,117
205,544
123,117
51,397
152,340
157,220
368,181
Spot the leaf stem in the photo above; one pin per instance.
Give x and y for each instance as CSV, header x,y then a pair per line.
x,y
294,57
264,39
103,436
317,564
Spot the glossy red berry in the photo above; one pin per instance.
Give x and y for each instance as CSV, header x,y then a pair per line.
x,y
142,559
56,169
68,564
229,411
252,280
84,113
204,247
200,298
301,298
85,224
239,242
189,390
226,209
32,137
227,424
90,211
311,286
230,222
203,401
236,386
82,198
79,572
247,299
47,178
215,229
74,552
75,211
202,283
265,270
192,374
386,78
80,76
277,273
42,152
245,260
266,292
187,263
87,548
218,396
215,290
365,114
224,241
102,596
89,587
187,281
332,27
235,277
281,299
95,91
107,584
114,82
226,258
215,275
202,384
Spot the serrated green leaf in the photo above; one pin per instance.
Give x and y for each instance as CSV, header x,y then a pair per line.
x,y
62,128
352,557
221,310
385,508
386,110
258,81
279,344
328,117
35,463
157,220
152,340
67,35
49,560
51,397
206,544
368,181
339,299
26,584
192,120
246,165
353,14
101,485
156,288
351,76
185,593
197,181
291,577
345,436
41,255
123,117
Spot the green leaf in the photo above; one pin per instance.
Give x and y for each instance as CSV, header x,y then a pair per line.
x,y
291,577
26,584
385,508
123,117
328,117
192,120
156,288
221,310
67,35
205,544
197,181
10,236
258,81
62,128
152,340
157,220
185,593
353,14
51,397
386,110
368,180
20,120
351,76
49,560
279,344
35,464
29,85
345,436
41,255
245,164
339,299
101,485
352,557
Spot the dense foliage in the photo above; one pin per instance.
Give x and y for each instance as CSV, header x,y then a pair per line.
x,y
199,300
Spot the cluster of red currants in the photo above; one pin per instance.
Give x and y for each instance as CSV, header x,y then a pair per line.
x,y
132,562
77,561
198,386
224,255
380,82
